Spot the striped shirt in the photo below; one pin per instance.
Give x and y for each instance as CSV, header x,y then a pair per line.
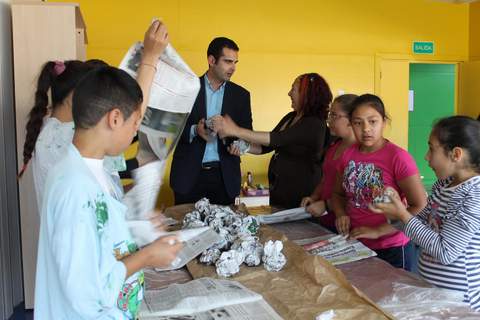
x,y
448,231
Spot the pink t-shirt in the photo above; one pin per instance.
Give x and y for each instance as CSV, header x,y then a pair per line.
x,y
325,189
365,176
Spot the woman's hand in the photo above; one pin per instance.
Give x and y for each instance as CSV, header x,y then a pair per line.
x,y
342,223
224,126
234,150
394,210
155,42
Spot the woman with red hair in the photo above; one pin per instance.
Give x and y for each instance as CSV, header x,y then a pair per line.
x,y
298,141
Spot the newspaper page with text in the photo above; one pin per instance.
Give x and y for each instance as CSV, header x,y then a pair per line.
x,y
206,298
336,249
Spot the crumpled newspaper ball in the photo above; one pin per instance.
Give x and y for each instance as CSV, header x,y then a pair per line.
x,y
242,145
251,248
210,256
273,258
209,127
203,205
193,220
237,232
229,263
226,239
250,225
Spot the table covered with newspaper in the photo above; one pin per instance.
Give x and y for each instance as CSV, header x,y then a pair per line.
x,y
398,292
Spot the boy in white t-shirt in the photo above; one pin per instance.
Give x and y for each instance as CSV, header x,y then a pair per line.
x,y
88,265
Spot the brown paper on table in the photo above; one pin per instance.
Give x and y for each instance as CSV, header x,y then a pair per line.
x,y
307,285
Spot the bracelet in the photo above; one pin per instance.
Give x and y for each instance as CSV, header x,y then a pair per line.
x,y
150,65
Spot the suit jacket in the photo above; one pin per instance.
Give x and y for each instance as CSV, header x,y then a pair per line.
x,y
187,158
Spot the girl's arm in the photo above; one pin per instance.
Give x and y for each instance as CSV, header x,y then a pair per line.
x,y
338,202
155,42
414,192
315,196
372,233
456,233
416,199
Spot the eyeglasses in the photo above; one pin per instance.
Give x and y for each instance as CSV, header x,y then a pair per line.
x,y
334,116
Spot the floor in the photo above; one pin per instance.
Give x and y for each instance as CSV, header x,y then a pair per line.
x,y
19,313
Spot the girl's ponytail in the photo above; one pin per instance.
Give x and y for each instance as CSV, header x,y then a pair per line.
x,y
38,112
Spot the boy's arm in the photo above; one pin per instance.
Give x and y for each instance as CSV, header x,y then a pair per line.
x,y
159,253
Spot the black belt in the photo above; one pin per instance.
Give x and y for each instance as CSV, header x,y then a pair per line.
x,y
210,165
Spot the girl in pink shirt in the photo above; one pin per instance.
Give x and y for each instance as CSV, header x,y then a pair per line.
x,y
338,121
364,171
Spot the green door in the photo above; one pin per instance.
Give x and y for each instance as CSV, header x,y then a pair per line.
x,y
432,93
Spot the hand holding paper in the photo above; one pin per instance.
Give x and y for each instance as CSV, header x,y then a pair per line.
x,y
155,41
162,252
394,210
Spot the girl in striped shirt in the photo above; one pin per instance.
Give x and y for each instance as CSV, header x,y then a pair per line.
x,y
448,228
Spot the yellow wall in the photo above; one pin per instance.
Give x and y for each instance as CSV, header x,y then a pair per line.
x,y
474,31
469,89
469,82
280,39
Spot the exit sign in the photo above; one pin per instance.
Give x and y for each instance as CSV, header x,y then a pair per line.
x,y
423,47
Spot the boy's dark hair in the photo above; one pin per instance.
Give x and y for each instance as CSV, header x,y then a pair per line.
x,y
345,101
101,91
371,100
61,79
215,48
462,132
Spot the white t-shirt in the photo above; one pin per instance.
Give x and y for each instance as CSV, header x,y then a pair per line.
x,y
51,146
99,172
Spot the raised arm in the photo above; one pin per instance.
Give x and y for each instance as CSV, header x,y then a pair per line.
x,y
155,42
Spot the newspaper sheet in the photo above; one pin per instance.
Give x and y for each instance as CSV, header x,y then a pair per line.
x,y
256,310
206,298
336,249
142,198
196,240
173,93
284,216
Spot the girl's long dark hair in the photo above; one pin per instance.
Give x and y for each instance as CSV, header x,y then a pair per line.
x,y
60,78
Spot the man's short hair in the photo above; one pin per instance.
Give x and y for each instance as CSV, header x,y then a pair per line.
x,y
215,48
101,91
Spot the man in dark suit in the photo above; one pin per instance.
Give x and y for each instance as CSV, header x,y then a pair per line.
x,y
202,165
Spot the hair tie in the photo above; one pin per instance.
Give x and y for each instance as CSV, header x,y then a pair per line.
x,y
59,68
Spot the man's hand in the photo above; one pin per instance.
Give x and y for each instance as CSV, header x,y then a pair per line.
x,y
201,131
